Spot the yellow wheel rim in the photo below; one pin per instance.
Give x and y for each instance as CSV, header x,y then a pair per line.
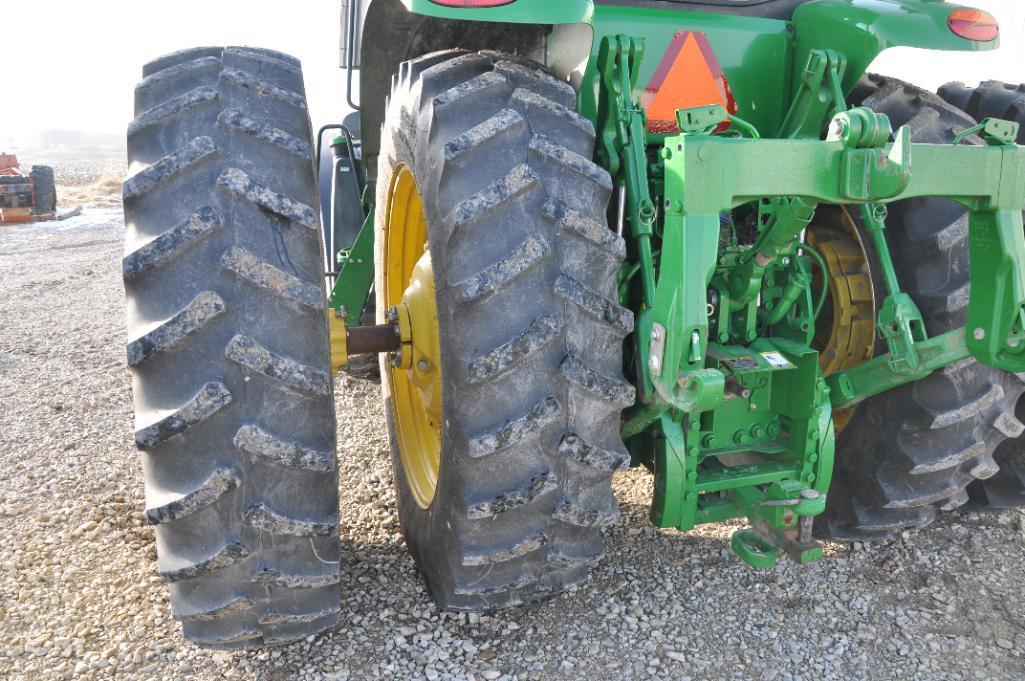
x,y
845,334
414,378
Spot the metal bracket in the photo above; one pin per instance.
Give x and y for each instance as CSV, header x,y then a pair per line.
x,y
994,131
356,275
657,349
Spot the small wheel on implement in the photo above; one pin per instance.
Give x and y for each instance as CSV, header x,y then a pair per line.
x,y
494,253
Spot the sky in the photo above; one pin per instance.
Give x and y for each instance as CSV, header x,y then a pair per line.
x,y
86,56
78,60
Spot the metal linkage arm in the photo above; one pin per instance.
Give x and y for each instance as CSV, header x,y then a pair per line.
x,y
621,128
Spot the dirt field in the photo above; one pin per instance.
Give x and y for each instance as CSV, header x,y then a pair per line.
x,y
79,596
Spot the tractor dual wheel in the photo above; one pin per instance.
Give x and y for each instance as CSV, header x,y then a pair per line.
x,y
229,348
994,99
495,259
908,453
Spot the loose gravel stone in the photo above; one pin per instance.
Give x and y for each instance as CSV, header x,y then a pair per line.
x,y
80,597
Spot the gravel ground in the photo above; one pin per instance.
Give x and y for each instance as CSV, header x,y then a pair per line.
x,y
79,596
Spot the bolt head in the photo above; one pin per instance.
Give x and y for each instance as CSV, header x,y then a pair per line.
x,y
423,365
979,333
838,127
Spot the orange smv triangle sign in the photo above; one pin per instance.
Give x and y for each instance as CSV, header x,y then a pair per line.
x,y
689,75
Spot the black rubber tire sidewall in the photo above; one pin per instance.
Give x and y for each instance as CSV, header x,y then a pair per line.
x,y
44,190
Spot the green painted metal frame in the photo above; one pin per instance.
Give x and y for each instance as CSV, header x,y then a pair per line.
x,y
720,174
685,385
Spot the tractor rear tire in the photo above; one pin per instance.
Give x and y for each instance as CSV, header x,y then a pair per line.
x,y
229,348
44,190
991,99
994,99
530,333
914,451
1006,489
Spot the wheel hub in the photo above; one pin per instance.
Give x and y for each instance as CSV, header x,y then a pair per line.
x,y
419,355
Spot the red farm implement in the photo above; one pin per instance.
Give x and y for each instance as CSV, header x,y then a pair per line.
x,y
26,198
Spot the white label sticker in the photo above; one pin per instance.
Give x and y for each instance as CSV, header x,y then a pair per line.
x,y
777,360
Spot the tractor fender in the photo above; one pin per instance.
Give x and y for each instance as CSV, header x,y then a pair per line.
x,y
862,29
394,31
513,12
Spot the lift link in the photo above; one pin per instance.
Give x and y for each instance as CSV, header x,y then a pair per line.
x,y
900,322
621,128
819,95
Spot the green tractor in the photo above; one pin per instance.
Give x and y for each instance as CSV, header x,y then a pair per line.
x,y
578,236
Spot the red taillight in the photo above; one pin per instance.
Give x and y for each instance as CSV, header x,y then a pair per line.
x,y
974,24
472,3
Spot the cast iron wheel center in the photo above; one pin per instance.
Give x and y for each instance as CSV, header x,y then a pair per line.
x,y
421,357
845,334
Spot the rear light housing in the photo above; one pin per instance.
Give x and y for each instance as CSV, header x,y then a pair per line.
x,y
974,24
469,4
